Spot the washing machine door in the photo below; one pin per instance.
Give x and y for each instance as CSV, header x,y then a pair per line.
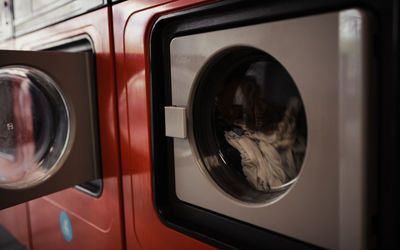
x,y
275,115
47,124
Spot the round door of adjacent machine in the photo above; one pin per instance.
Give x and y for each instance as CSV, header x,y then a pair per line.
x,y
35,127
48,138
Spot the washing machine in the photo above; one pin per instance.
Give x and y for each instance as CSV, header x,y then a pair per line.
x,y
64,77
264,124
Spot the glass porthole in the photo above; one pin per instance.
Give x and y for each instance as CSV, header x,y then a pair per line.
x,y
249,124
34,127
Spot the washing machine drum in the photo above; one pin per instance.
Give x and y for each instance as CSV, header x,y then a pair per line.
x,y
249,124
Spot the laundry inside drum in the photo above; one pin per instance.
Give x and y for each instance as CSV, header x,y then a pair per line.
x,y
249,124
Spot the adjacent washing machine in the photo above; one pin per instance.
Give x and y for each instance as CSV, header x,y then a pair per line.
x,y
58,126
266,126
48,132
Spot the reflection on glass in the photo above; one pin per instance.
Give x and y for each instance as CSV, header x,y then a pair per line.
x,y
7,136
30,116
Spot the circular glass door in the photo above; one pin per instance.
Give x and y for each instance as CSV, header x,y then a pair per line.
x,y
248,124
34,127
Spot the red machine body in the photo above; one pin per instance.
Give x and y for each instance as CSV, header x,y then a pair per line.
x,y
132,26
18,228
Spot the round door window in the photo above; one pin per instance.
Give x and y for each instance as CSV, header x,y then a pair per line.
x,y
249,124
34,127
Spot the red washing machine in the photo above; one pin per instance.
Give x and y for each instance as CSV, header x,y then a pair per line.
x,y
211,92
72,120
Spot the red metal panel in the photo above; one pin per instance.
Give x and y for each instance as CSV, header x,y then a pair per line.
x,y
15,220
131,36
96,223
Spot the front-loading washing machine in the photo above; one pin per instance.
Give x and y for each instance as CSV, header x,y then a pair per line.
x,y
48,35
267,128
